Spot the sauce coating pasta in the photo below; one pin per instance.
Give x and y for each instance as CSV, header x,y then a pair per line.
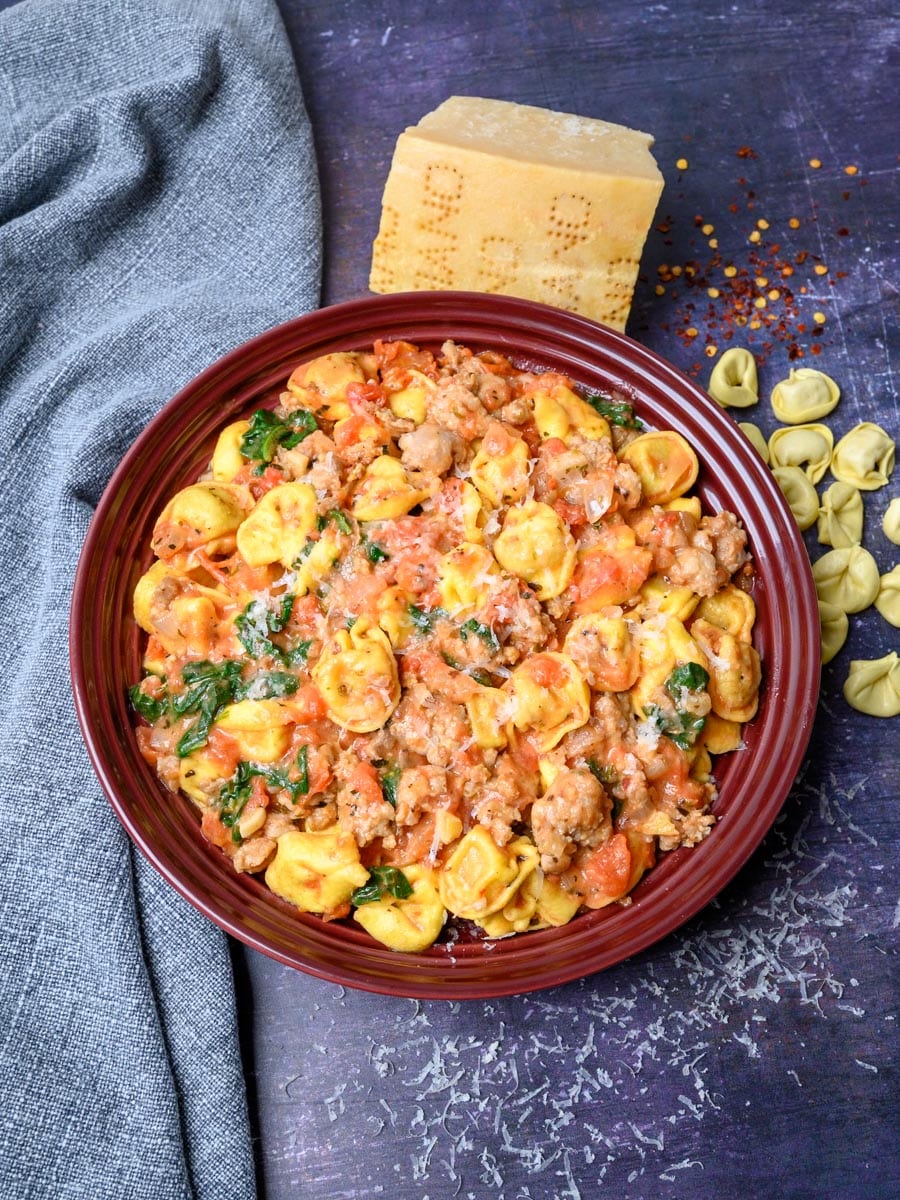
x,y
440,638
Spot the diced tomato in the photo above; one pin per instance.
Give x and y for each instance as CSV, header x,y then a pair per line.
x,y
223,750
606,872
307,704
363,780
258,485
213,830
545,671
259,794
362,397
603,578
360,427
572,514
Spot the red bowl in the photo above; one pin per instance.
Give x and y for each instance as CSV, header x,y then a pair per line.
x,y
176,446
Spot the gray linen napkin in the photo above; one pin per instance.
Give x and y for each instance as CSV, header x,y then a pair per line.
x,y
158,206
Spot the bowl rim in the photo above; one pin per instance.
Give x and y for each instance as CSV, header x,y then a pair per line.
x,y
462,971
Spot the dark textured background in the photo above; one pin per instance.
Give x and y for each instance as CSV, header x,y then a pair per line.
x,y
753,1053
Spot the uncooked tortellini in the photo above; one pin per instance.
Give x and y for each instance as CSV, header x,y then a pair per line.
x,y
733,380
873,686
799,493
807,446
891,522
806,395
756,438
833,624
888,599
864,457
847,577
841,516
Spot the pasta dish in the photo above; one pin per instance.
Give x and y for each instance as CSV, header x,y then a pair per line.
x,y
440,639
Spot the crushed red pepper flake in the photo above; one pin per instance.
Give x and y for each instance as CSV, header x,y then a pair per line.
x,y
713,297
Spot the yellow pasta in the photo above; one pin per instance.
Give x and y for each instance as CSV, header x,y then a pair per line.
x,y
806,395
864,457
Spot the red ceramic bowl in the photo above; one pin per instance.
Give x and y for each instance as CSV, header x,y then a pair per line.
x,y
176,446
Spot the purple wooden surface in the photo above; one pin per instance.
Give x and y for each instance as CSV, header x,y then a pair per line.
x,y
752,1054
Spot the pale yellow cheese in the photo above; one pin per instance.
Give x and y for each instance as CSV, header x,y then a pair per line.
x,y
490,196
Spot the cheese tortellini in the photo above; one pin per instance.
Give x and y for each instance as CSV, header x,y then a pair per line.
x,y
864,457
536,545
357,676
888,599
806,446
799,493
840,519
873,686
806,395
847,577
733,382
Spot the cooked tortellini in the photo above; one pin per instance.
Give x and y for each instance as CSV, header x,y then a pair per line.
x,y
227,459
888,599
806,395
321,384
847,577
732,609
665,463
480,877
260,728
536,545
840,520
733,382
799,493
806,446
357,676
318,870
833,626
757,440
387,491
466,575
864,457
734,671
279,526
551,697
205,515
873,686
437,639
891,522
501,469
409,923
558,411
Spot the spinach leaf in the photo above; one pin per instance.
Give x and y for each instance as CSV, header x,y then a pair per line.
x,y
210,687
374,552
268,431
605,775
302,784
682,728
267,685
485,632
149,708
390,781
617,412
425,619
689,675
341,519
382,880
256,624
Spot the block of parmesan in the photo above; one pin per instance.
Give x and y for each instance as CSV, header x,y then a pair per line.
x,y
491,196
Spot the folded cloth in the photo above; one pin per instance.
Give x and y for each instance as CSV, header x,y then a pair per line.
x,y
158,206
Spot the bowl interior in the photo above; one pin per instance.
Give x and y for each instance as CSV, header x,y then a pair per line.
x,y
176,446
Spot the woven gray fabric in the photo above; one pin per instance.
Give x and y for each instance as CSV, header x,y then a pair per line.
x,y
158,206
